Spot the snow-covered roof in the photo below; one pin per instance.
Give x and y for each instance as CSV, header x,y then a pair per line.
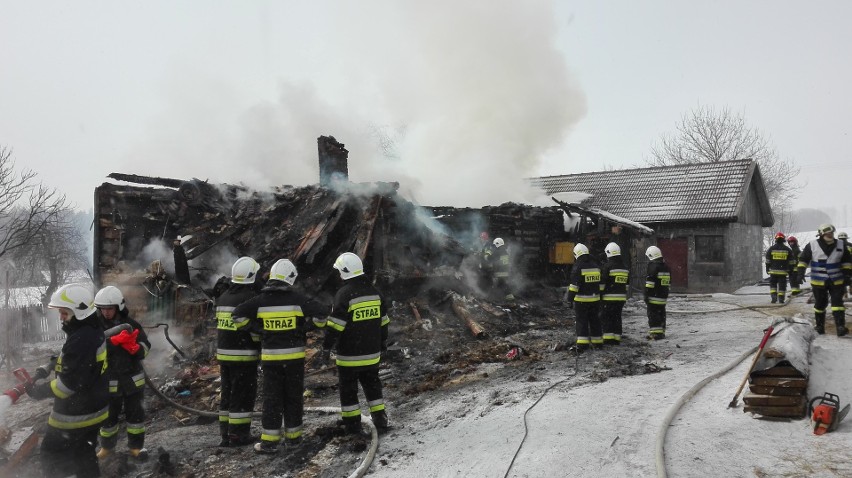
x,y
692,192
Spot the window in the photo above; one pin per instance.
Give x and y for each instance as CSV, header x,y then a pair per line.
x,y
709,248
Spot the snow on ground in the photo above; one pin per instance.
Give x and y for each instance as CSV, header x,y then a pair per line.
x,y
586,428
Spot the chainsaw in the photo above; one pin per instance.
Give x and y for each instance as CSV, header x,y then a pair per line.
x,y
824,413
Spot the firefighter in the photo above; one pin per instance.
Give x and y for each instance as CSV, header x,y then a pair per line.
x,y
237,353
501,264
125,352
278,316
80,389
615,277
358,328
657,284
779,263
831,266
795,285
486,249
585,289
845,237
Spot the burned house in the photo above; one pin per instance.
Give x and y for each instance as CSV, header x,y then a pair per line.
x,y
167,241
708,217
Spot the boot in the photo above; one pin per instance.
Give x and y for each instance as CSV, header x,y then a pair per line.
x,y
380,419
780,299
241,440
774,298
139,453
820,325
266,447
225,441
840,322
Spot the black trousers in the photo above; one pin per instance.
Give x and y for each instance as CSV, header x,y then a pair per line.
x,y
348,380
283,389
70,452
611,319
587,323
656,319
236,402
134,416
777,286
821,299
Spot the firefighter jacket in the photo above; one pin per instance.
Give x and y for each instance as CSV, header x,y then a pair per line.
x,y
125,373
616,279
657,282
358,324
234,345
779,259
80,390
500,262
278,316
831,264
797,251
585,284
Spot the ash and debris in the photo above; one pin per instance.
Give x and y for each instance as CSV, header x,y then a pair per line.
x,y
433,356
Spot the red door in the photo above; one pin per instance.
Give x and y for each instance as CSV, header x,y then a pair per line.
x,y
676,255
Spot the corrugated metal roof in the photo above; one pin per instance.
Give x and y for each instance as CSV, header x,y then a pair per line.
x,y
705,191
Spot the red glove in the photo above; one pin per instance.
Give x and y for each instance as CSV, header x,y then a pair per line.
x,y
121,338
127,341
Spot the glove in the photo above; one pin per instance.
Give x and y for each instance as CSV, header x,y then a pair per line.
x,y
39,391
121,338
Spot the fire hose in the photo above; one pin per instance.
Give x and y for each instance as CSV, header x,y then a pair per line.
x,y
659,453
360,471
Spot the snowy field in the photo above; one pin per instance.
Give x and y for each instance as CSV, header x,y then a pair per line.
x,y
585,428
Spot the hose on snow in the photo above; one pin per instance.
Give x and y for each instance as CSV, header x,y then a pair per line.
x,y
659,454
526,428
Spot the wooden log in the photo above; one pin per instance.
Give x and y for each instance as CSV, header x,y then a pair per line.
x,y
779,371
789,347
21,454
767,390
793,412
461,312
492,310
774,400
782,382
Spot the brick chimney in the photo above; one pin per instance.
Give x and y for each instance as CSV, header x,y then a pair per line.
x,y
333,161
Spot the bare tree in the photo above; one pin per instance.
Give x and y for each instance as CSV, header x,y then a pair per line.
x,y
706,135
53,255
26,207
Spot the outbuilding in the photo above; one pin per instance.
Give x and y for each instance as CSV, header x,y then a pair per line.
x,y
708,217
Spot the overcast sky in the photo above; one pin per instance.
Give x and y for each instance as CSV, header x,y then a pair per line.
x,y
473,96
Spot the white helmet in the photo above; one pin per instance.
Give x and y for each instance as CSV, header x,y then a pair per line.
x,y
283,270
109,295
498,242
653,252
612,249
579,250
349,265
75,297
825,229
244,270
843,235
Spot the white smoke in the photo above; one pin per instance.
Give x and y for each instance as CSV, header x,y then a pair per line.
x,y
457,101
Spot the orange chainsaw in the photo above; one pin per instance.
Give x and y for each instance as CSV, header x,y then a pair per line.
x,y
825,415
